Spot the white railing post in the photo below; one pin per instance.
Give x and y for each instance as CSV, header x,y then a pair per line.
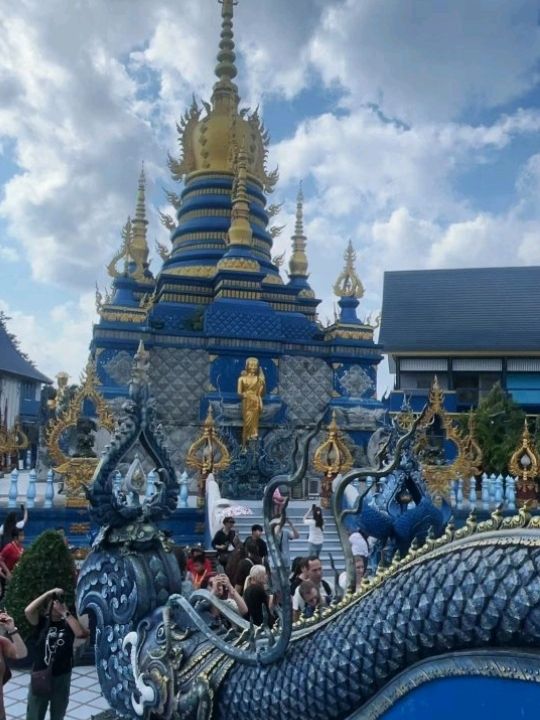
x,y
459,494
472,492
49,490
13,489
31,489
510,492
498,490
485,492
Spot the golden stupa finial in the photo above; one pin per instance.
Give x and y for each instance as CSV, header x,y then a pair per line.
x,y
208,454
348,283
298,264
226,69
139,243
525,465
332,456
240,232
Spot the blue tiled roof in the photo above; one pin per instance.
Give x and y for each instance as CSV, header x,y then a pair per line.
x,y
11,361
471,309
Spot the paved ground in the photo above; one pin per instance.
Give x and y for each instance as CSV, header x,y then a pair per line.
x,y
85,699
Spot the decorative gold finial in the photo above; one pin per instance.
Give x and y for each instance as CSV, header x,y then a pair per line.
x,y
226,69
298,264
139,243
525,464
348,283
331,458
208,454
240,232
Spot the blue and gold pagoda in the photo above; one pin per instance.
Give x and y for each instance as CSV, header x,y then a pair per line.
x,y
219,299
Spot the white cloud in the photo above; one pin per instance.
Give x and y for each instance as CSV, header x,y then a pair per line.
x,y
430,60
60,344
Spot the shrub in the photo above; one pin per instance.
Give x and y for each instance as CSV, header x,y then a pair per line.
x,y
46,564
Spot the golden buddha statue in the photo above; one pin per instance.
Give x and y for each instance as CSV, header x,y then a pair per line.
x,y
251,387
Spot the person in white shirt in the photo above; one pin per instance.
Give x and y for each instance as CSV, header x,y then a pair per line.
x,y
315,575
314,519
284,532
360,544
359,569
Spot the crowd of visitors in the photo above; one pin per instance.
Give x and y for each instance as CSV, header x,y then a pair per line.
x,y
252,580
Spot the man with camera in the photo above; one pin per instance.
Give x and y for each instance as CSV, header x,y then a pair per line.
x,y
56,629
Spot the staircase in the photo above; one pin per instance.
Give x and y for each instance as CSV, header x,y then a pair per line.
x,y
296,510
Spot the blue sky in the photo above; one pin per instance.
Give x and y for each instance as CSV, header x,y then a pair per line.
x,y
414,126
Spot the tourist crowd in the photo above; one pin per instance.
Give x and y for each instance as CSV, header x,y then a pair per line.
x,y
246,577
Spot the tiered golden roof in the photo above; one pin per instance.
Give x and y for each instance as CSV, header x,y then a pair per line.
x,y
210,142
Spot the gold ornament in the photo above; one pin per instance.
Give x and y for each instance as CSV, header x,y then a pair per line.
x,y
524,464
208,454
348,283
331,458
440,477
78,470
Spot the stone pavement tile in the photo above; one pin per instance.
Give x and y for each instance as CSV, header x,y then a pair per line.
x,y
85,681
16,692
99,704
83,696
82,712
17,710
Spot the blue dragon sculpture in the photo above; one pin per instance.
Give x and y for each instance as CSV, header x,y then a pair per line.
x,y
467,591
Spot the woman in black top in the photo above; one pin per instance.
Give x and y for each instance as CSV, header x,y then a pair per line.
x,y
256,597
56,629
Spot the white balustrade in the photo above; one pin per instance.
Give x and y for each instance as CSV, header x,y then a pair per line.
x,y
13,489
31,489
49,490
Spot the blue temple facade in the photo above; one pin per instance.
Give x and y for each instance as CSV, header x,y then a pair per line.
x,y
219,296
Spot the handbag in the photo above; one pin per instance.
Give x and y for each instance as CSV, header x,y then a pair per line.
x,y
41,680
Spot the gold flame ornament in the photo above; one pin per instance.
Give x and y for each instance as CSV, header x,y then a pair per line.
x,y
439,477
78,471
208,454
524,464
331,458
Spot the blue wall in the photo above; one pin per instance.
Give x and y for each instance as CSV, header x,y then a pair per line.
x,y
469,698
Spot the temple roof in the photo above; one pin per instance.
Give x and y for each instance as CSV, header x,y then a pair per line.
x,y
465,310
12,362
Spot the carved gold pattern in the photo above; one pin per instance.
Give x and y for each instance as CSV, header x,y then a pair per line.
x,y
348,283
524,464
14,440
440,477
271,279
207,271
333,456
344,333
208,454
473,450
236,263
78,470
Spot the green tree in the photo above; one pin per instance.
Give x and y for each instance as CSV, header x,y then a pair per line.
x,y
46,564
499,424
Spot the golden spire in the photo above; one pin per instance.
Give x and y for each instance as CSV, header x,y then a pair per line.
x,y
298,264
225,89
333,456
139,244
348,283
240,232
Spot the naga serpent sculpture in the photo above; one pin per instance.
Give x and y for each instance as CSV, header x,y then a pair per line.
x,y
470,590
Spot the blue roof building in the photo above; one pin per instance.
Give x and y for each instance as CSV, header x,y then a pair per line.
x,y
471,327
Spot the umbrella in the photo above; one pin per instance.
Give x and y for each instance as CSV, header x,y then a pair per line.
x,y
234,511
